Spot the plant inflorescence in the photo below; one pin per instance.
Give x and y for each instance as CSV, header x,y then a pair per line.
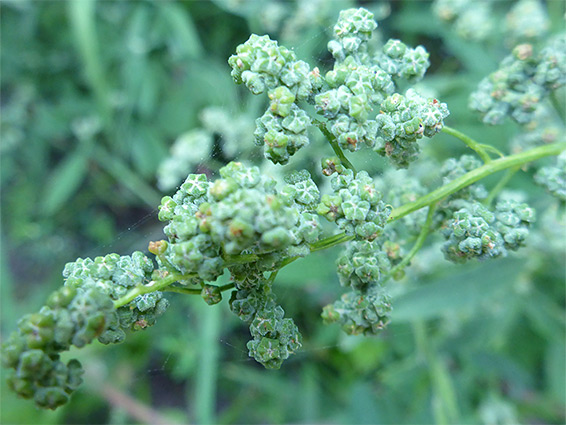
x,y
251,225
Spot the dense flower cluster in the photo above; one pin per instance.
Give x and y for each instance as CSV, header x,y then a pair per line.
x,y
365,309
356,205
115,275
359,83
402,121
522,81
471,19
274,338
76,314
282,135
553,177
72,316
264,66
242,213
359,87
476,232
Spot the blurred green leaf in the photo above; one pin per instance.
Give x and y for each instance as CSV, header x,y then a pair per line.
x,y
64,181
185,40
458,292
555,369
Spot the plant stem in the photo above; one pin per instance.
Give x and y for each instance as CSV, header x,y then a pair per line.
x,y
471,143
186,291
239,259
418,243
334,143
501,184
154,285
490,148
444,401
207,372
330,241
476,175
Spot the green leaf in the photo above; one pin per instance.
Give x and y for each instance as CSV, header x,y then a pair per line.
x,y
185,40
147,151
64,182
545,315
455,293
555,369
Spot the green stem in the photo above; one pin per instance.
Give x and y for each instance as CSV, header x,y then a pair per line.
x,y
490,148
444,400
154,285
471,143
334,143
330,242
165,283
239,259
476,175
207,373
186,291
418,243
501,184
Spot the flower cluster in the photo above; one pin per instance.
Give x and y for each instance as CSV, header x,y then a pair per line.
x,y
402,121
356,205
476,232
349,95
362,264
553,177
264,66
365,309
196,146
471,19
229,215
115,275
359,83
73,315
522,81
351,33
274,338
282,135
526,20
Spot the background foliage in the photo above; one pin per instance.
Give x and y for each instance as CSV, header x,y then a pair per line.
x,y
93,97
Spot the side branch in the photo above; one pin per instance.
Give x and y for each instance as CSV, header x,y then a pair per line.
x,y
476,175
334,143
154,285
471,143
